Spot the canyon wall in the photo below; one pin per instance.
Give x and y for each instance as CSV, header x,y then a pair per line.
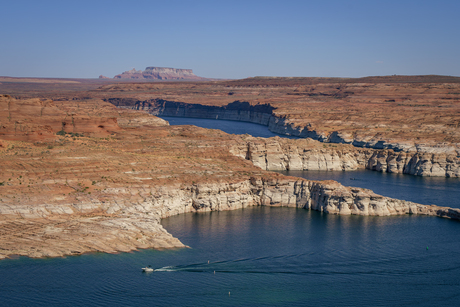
x,y
131,218
287,154
264,114
237,110
284,154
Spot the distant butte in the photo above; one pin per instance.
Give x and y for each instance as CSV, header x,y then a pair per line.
x,y
160,73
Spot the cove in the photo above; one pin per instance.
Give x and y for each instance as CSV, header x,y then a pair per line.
x,y
264,257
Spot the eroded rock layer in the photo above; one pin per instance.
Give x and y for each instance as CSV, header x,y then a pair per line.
x,y
288,154
78,187
283,154
83,191
130,219
40,119
404,113
266,114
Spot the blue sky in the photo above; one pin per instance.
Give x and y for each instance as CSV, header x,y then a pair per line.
x,y
230,39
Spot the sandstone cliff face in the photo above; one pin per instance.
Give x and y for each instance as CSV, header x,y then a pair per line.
x,y
237,110
159,73
299,155
131,218
284,154
265,114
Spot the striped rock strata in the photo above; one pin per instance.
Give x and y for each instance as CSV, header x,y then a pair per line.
x,y
284,154
129,218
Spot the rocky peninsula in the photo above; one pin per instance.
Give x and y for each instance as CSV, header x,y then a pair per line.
x,y
277,154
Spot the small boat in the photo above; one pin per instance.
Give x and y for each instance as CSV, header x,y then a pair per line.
x,y
147,269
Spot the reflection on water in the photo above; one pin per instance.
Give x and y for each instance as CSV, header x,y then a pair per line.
x,y
439,191
264,257
310,255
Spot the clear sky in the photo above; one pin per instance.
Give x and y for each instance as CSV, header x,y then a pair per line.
x,y
231,38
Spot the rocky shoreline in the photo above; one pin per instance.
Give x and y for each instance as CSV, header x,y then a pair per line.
x,y
130,220
279,154
83,176
264,115
419,160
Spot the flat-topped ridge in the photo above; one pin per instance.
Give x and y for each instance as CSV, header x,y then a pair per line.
x,y
169,69
160,73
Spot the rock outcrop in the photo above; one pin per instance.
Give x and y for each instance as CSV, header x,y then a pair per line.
x,y
288,154
40,119
131,218
37,119
159,73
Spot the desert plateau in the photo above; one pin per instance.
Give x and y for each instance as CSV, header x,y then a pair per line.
x,y
86,165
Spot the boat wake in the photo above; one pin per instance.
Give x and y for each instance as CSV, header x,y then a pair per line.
x,y
166,269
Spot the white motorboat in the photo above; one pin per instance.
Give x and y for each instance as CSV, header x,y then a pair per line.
x,y
147,269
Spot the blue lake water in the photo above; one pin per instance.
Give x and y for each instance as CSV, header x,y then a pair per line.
x,y
263,257
269,257
232,127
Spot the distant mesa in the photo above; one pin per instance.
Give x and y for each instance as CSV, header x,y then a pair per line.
x,y
159,73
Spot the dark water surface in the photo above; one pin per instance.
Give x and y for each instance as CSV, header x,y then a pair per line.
x,y
269,257
263,257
